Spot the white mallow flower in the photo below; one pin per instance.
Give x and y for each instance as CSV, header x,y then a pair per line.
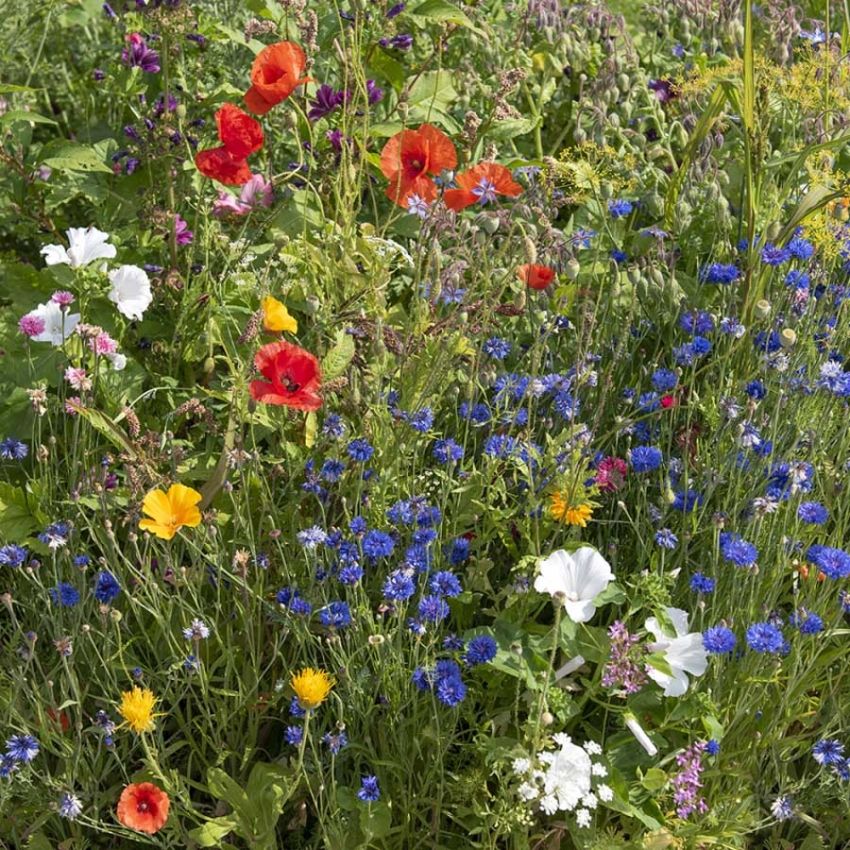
x,y
684,652
131,291
58,324
118,360
575,580
85,245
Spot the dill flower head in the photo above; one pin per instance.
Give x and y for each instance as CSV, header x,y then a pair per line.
x,y
563,509
137,708
311,687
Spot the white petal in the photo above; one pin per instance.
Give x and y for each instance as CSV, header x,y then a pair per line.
x,y
555,574
688,653
593,572
580,612
679,618
88,244
54,255
131,291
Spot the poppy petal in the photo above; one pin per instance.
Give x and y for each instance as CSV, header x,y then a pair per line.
x,y
219,164
238,131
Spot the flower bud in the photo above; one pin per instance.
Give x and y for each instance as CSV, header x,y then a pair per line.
x,y
762,308
787,338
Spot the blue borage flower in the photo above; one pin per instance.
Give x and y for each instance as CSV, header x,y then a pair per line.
x,y
620,208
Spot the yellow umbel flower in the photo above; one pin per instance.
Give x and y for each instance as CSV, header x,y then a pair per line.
x,y
276,317
311,687
170,511
137,709
565,511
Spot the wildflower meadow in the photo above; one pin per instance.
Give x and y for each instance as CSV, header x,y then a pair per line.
x,y
424,424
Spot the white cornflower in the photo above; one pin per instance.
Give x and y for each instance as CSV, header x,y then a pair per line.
x,y
84,246
197,630
70,806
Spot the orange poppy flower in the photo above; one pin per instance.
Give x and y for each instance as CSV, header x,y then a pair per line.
x,y
294,377
219,164
143,807
275,74
238,131
481,185
536,276
408,159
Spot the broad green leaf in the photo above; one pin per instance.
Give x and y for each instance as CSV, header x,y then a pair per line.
x,y
654,779
22,115
213,831
336,361
388,68
511,128
375,820
16,519
433,90
224,788
443,11
71,156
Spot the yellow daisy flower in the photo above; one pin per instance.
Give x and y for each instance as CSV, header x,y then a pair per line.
x,y
137,709
311,687
276,317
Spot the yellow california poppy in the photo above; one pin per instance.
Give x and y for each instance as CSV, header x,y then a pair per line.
x,y
276,317
170,511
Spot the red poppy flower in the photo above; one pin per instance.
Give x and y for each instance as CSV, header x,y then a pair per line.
x,y
59,719
275,74
536,276
143,807
238,131
668,401
482,184
221,165
408,159
294,376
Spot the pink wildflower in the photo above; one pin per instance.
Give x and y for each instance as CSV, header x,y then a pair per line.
x,y
611,474
31,325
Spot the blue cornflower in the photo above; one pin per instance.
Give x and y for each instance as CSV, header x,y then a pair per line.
x,y
459,551
295,709
666,539
70,806
497,348
447,451
813,512
399,586
22,748
106,587
478,413
334,427
402,512
782,808
293,735
697,322
12,449
450,690
332,470
81,561
773,255
700,345
445,583
645,458
620,208
191,663
55,535
797,279
12,555
765,638
756,390
7,766
687,500
360,450
433,608
418,558
480,650
719,640
335,615
350,574
357,525
801,249
453,643
312,537
828,751
702,584
807,622
300,606
377,544
720,273
712,747
499,446
664,380
64,595
335,741
422,420
738,551
369,791
833,563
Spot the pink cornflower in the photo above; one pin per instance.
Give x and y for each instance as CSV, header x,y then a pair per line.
x,y
31,325
78,379
182,232
611,474
103,343
62,298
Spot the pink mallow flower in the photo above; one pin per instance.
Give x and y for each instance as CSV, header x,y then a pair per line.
x,y
257,192
181,230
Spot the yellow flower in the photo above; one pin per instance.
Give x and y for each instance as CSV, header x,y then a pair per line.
x,y
311,687
563,510
170,511
276,317
137,709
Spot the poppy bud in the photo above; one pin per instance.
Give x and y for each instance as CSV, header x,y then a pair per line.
x,y
572,268
762,308
787,338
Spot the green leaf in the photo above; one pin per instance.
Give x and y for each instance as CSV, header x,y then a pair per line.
x,y
385,66
311,428
433,91
16,518
72,156
654,779
658,661
224,788
22,115
213,831
336,361
511,128
443,11
375,820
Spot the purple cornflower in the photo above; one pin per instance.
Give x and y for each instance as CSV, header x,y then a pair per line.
x,y
138,55
625,668
687,784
